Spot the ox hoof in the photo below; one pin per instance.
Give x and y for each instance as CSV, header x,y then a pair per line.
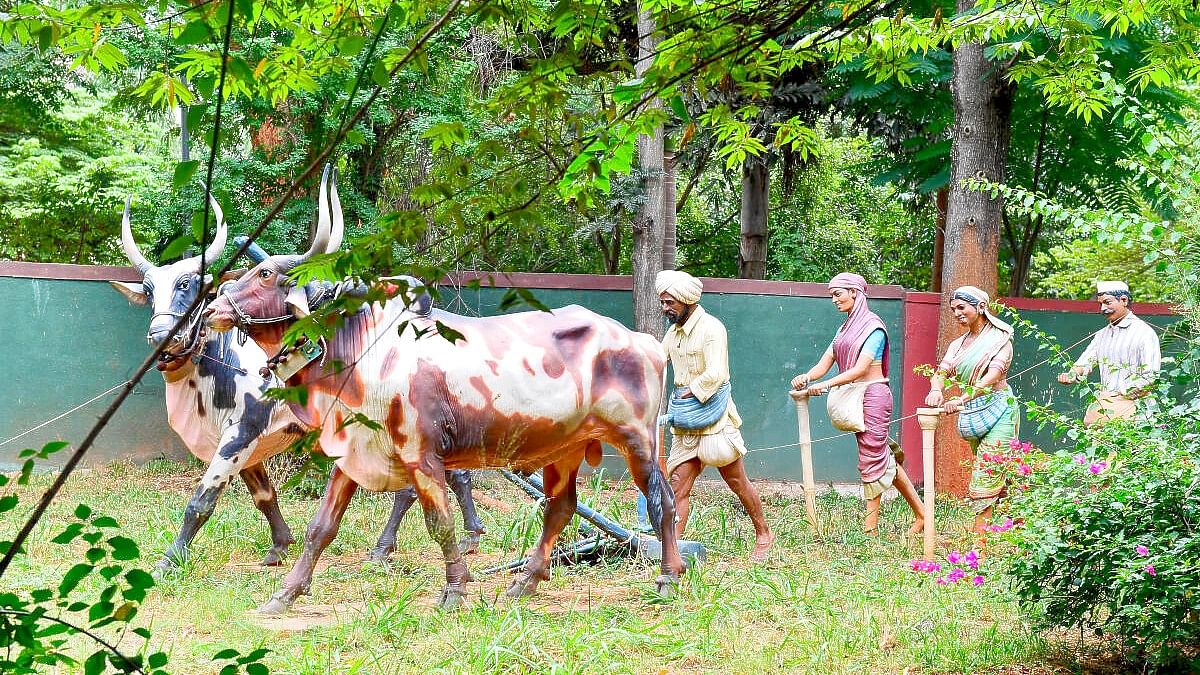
x,y
274,558
273,607
451,597
164,568
469,544
380,555
665,585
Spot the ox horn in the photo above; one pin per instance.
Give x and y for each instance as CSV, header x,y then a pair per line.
x,y
339,223
321,236
130,246
219,237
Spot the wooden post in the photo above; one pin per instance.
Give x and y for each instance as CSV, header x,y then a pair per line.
x,y
928,418
810,488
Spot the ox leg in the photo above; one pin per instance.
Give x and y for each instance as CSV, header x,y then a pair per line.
x,y
219,475
321,531
431,490
387,539
559,480
460,484
265,498
660,504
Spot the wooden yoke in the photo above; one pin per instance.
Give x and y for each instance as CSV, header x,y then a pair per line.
x,y
810,488
928,419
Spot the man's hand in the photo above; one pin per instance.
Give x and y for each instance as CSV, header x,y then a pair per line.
x,y
800,382
935,399
1067,378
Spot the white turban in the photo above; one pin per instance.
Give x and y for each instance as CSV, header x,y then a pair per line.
x,y
1113,288
679,285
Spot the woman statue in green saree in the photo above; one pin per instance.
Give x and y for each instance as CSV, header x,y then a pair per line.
x,y
974,368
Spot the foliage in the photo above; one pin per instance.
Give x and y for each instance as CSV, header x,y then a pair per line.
x,y
40,626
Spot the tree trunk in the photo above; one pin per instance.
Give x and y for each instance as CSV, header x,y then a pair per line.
x,y
979,149
669,219
939,240
647,253
756,191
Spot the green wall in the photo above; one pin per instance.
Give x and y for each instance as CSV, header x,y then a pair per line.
x,y
1041,383
65,342
772,338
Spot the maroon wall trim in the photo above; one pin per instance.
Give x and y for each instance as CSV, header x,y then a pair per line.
x,y
597,282
68,272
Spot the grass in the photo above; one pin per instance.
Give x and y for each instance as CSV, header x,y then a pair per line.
x,y
843,603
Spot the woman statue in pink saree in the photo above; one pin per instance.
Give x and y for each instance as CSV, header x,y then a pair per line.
x,y
860,350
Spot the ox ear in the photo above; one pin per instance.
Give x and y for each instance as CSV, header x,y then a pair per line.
x,y
135,293
297,299
232,275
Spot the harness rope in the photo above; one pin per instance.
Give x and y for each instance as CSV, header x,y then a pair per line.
x,y
72,410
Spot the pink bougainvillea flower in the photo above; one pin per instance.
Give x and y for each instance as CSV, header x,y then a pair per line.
x,y
1142,550
942,581
1026,447
1150,570
1097,467
977,580
1014,444
972,559
1081,459
955,558
1025,469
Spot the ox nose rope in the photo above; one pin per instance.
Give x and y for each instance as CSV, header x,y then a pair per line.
x,y
52,420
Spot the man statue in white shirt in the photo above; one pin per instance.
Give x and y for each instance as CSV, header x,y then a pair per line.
x,y
1127,353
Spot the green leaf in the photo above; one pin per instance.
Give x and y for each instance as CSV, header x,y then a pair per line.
x,y
51,448
95,663
246,9
380,74
195,115
105,521
139,579
177,247
26,472
351,45
156,660
83,511
297,395
8,503
45,39
68,534
194,33
124,548
680,109
225,654
256,669
72,578
184,171
449,333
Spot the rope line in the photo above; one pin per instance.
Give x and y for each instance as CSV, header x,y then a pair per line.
x,y
72,410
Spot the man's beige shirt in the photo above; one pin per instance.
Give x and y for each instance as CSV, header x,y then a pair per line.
x,y
699,355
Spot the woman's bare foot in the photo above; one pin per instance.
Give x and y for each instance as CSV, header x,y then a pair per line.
x,y
918,526
762,546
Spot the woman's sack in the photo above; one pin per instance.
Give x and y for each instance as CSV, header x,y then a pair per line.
x,y
845,406
981,413
689,414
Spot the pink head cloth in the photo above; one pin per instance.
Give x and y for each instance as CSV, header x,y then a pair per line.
x,y
860,323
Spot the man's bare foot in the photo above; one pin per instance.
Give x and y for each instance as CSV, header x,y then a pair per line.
x,y
762,546
918,526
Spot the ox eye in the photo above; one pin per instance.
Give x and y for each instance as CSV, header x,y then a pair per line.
x,y
264,274
183,284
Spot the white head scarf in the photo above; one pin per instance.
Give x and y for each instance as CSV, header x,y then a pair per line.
x,y
978,298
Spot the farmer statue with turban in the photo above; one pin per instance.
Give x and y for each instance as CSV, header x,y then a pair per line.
x,y
1127,352
703,419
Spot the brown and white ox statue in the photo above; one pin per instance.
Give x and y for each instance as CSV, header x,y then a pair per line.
x,y
534,390
215,403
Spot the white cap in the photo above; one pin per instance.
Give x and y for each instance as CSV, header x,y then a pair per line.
x,y
1106,287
